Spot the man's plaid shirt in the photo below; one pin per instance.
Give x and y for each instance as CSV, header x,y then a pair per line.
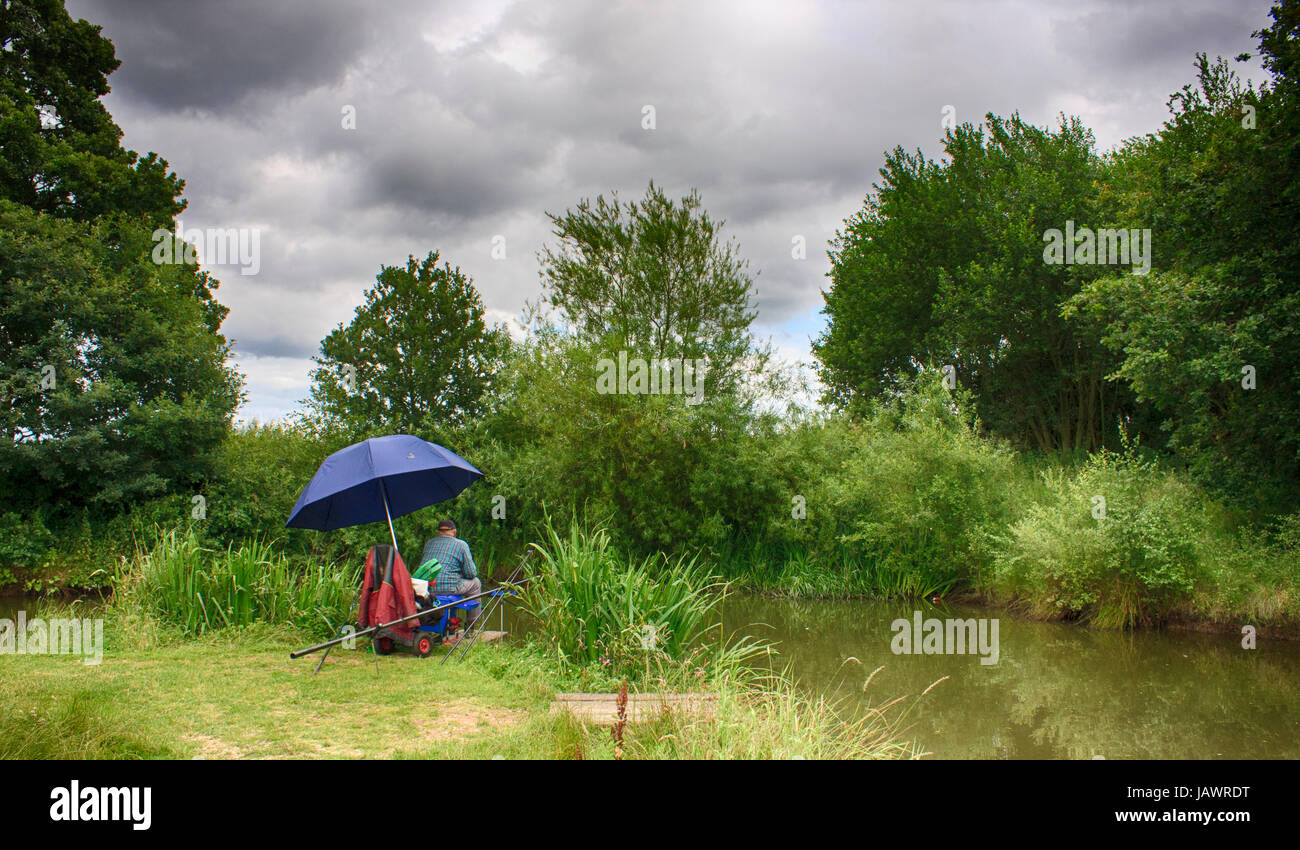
x,y
457,562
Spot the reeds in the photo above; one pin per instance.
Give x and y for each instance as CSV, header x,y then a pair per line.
x,y
181,583
594,607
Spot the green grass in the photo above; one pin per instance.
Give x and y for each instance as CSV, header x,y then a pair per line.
x,y
244,698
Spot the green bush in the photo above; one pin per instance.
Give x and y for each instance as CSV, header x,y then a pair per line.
x,y
594,608
86,551
23,543
1126,565
906,508
660,474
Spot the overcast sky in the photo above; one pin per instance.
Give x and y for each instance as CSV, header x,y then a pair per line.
x,y
473,119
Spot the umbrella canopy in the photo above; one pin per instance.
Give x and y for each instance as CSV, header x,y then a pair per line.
x,y
378,479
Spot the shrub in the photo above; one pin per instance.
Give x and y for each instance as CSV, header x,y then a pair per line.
x,y
915,495
1126,565
23,543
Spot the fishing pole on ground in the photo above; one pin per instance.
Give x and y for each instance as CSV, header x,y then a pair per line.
x,y
504,588
298,653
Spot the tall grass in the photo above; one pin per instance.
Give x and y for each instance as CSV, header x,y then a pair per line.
x,y
594,607
88,724
181,583
756,713
1250,578
795,573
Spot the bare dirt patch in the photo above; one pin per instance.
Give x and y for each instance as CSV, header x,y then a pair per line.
x,y
213,748
461,719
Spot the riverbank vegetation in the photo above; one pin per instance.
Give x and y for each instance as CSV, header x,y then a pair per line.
x,y
1074,440
183,624
181,586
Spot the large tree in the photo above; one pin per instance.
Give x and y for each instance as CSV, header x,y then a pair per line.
x,y
656,276
62,151
1213,341
944,266
114,383
417,356
113,378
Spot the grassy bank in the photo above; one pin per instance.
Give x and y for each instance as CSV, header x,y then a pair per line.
x,y
195,664
244,698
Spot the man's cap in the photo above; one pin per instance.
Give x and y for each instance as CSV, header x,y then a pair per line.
x,y
446,525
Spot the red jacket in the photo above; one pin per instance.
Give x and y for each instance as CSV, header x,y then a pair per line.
x,y
386,592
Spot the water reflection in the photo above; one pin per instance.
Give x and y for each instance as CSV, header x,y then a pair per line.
x,y
1057,691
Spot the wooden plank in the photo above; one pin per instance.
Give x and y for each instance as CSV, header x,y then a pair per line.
x,y
634,697
602,709
488,636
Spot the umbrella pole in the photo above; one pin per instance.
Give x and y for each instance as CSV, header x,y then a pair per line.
x,y
383,491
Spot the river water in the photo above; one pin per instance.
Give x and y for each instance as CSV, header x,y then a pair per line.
x,y
1057,690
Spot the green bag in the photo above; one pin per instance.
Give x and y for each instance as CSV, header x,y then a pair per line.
x,y
427,571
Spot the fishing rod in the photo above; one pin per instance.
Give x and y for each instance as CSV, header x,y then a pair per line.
x,y
487,615
298,653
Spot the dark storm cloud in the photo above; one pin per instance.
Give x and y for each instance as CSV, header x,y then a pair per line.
x,y
474,119
1131,36
210,56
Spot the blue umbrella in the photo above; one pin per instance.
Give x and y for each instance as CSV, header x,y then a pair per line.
x,y
380,478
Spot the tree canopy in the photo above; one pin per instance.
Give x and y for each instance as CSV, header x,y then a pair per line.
x,y
417,355
62,151
944,267
655,276
114,383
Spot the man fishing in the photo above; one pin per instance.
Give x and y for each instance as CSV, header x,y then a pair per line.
x,y
458,574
